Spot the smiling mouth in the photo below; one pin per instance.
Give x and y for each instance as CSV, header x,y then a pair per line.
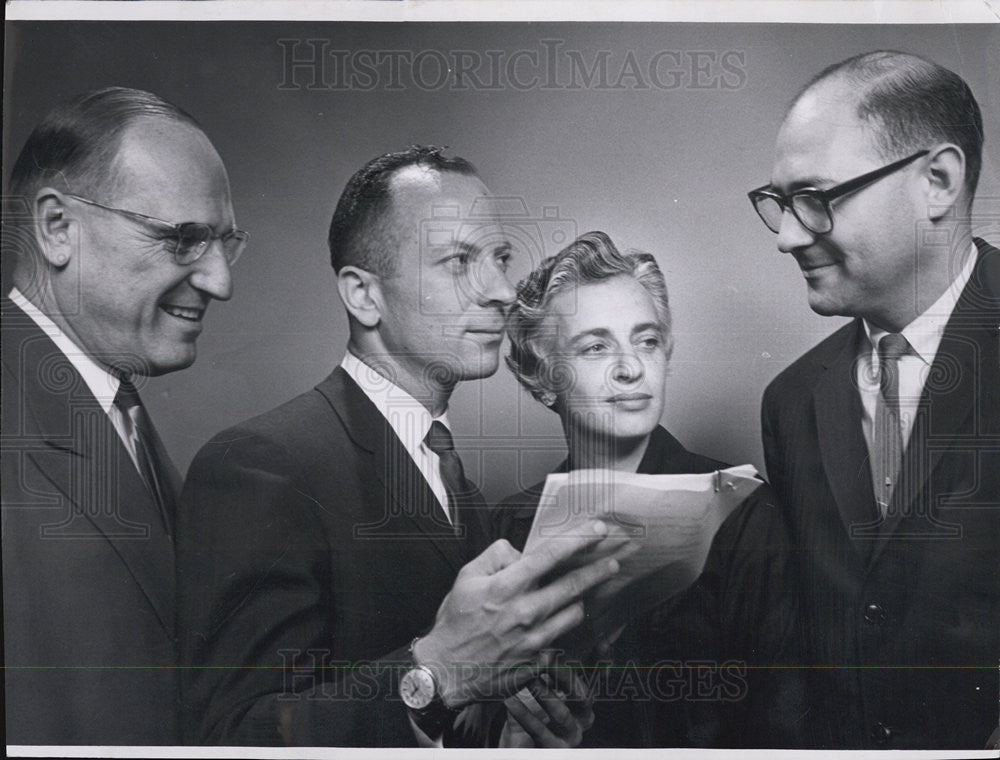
x,y
187,313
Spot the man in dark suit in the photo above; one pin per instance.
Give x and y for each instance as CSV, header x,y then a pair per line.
x,y
105,293
883,440
334,583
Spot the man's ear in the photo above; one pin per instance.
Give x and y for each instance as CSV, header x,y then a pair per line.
x,y
946,180
55,231
361,293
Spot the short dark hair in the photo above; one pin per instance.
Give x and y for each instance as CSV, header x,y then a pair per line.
x,y
358,236
591,258
912,102
75,144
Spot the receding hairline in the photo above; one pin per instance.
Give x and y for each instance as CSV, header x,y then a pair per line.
x,y
856,79
160,127
421,180
108,179
166,126
840,91
905,101
853,70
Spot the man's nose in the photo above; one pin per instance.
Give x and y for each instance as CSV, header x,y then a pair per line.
x,y
792,235
493,286
211,273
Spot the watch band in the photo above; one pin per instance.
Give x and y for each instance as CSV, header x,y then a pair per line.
x,y
435,717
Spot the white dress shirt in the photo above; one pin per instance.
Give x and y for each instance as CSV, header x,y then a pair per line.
x,y
924,336
411,422
101,383
409,419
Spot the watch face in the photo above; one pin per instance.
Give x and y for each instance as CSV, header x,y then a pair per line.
x,y
416,688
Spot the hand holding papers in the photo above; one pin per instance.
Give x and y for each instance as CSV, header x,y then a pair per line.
x,y
671,520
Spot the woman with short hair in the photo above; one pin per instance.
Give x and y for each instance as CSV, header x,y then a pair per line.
x,y
591,340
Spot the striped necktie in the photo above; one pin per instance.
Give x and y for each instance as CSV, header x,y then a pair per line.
x,y
439,441
887,437
154,464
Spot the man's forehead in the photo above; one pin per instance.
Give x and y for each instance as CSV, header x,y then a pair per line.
x,y
171,165
424,195
821,137
832,101
417,184
415,179
156,142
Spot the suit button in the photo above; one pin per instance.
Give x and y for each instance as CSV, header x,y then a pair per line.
x,y
874,614
881,734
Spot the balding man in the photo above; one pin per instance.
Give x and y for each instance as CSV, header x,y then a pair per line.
x,y
122,225
335,582
883,440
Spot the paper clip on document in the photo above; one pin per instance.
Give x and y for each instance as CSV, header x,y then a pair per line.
x,y
720,483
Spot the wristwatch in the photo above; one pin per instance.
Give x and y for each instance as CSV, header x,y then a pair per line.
x,y
419,691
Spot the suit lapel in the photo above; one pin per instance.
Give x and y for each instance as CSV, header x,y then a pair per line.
x,y
120,510
474,521
78,450
842,443
966,366
171,481
411,510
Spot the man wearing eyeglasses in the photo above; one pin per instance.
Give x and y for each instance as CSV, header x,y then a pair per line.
x,y
884,439
120,219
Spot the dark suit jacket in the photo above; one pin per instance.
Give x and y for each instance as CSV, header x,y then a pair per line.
x,y
901,617
310,552
88,568
678,674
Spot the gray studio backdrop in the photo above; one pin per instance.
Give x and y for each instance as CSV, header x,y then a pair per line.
x,y
651,132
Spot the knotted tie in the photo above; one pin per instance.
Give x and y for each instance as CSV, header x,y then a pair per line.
x,y
439,441
154,464
887,436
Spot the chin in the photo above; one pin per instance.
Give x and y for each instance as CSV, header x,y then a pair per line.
x,y
824,306
633,432
482,367
164,365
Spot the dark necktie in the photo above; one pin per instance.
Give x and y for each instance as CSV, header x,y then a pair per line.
x,y
155,467
887,438
439,441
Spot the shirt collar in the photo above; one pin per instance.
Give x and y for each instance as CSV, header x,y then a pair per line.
x,y
409,419
102,384
924,333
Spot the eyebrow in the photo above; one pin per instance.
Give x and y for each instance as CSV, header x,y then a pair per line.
x,y
173,228
596,332
603,332
473,250
648,326
801,184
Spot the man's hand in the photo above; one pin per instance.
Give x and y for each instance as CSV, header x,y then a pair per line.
x,y
497,618
562,711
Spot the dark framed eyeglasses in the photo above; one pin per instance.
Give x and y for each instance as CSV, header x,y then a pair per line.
x,y
810,205
187,241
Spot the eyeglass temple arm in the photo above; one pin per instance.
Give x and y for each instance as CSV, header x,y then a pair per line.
x,y
765,188
858,182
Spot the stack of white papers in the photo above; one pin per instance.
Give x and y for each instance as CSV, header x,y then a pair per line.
x,y
670,519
